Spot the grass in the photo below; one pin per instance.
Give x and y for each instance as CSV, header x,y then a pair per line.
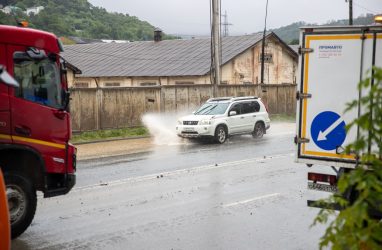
x,y
282,118
109,134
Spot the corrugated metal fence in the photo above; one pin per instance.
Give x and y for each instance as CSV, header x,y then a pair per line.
x,y
105,108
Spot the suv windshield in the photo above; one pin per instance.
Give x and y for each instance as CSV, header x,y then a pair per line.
x,y
212,109
39,80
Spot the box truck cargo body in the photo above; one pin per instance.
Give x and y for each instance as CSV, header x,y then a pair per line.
x,y
333,60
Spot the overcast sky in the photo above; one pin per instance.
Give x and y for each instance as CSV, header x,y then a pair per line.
x,y
191,17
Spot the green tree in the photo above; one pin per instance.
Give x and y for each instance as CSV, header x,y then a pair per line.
x,y
294,42
80,18
357,226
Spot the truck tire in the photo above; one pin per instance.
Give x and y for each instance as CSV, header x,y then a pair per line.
x,y
22,202
258,130
220,134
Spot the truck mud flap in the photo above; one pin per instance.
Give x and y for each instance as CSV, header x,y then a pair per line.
x,y
325,205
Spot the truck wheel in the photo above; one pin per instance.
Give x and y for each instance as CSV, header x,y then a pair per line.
x,y
220,134
259,130
22,202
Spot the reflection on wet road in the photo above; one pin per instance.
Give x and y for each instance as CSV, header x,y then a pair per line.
x,y
183,155
246,194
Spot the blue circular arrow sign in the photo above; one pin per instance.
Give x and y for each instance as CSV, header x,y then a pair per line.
x,y
328,130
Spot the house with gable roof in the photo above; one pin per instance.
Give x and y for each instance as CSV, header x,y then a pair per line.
x,y
181,62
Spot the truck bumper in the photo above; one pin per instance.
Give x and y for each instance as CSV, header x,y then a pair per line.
x,y
195,131
69,180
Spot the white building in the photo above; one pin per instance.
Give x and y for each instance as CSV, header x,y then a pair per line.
x,y
7,9
34,10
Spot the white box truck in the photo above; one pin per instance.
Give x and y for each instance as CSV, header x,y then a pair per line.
x,y
333,60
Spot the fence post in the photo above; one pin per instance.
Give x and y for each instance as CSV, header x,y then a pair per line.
x,y
98,109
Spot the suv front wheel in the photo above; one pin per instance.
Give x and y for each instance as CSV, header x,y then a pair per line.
x,y
220,134
259,130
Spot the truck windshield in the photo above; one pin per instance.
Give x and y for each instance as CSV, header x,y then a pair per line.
x,y
212,109
39,80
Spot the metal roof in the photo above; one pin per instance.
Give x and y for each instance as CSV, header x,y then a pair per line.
x,y
149,58
295,47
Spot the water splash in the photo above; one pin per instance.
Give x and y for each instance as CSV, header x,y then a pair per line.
x,y
162,128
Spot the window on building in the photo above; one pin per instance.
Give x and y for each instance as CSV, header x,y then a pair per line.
x,y
184,83
268,57
144,84
81,85
112,84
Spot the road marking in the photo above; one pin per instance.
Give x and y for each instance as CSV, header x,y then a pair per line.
x,y
251,200
182,171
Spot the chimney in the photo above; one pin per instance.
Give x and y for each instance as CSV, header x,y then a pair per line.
x,y
157,35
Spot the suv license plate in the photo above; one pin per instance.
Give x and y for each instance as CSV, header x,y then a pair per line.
x,y
188,129
322,187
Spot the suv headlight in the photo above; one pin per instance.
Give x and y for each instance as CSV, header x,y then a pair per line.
x,y
180,122
205,122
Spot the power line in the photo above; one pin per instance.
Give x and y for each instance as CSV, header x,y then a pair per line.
x,y
362,7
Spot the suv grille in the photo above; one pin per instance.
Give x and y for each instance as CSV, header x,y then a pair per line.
x,y
190,122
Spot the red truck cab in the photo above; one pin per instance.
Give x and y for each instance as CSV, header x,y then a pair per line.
x,y
35,128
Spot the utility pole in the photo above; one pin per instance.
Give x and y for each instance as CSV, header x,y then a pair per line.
x,y
350,11
263,46
216,45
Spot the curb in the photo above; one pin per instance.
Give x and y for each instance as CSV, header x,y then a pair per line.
x,y
112,156
111,139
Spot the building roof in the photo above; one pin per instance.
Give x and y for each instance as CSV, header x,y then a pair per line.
x,y
295,47
149,58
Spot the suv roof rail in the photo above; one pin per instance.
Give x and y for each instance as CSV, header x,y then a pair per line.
x,y
244,98
232,98
216,99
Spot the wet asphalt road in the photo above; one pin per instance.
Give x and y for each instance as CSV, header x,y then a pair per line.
x,y
245,194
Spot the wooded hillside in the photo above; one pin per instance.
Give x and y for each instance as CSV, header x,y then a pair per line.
x,y
78,18
290,33
82,19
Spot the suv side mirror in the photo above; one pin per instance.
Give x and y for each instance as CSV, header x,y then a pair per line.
x,y
232,113
7,78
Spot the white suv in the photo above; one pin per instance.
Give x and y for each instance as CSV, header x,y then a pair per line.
x,y
225,116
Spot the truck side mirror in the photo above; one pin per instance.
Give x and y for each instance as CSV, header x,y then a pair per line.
x,y
66,99
7,78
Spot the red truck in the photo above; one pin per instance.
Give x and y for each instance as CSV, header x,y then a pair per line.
x,y
35,128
